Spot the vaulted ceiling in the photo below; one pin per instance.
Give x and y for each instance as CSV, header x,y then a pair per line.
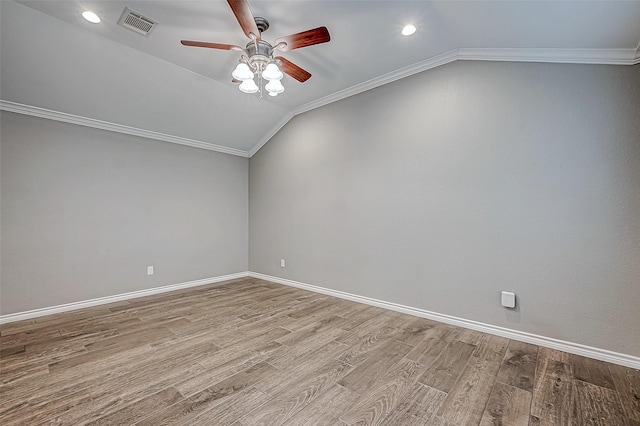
x,y
55,64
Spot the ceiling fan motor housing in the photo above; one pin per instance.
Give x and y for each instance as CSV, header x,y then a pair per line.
x,y
259,53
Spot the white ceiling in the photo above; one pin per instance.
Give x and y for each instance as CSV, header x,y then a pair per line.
x,y
51,58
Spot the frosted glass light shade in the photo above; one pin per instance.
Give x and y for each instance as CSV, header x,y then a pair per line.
x,y
248,86
242,72
274,86
272,72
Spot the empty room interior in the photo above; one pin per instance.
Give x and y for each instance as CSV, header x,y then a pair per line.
x,y
252,212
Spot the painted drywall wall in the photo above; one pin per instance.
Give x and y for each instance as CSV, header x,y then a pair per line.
x,y
85,211
440,190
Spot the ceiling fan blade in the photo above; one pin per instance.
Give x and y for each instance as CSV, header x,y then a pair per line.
x,y
210,45
305,38
293,70
245,18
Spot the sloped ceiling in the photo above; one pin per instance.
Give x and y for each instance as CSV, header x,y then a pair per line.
x,y
57,65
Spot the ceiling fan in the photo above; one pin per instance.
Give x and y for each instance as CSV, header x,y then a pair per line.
x,y
258,59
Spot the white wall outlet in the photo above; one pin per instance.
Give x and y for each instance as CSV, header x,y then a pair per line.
x,y
282,263
508,299
149,270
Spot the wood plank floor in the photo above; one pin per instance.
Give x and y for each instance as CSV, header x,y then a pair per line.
x,y
251,352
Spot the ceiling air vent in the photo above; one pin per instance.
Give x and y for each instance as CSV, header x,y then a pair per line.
x,y
136,22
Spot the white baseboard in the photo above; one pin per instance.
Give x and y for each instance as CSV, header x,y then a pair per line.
x,y
570,347
117,298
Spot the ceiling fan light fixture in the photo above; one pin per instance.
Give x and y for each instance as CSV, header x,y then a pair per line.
x,y
258,60
91,17
242,72
408,30
248,86
274,94
272,72
274,86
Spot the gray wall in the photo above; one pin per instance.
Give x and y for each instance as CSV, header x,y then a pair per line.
x,y
439,190
85,211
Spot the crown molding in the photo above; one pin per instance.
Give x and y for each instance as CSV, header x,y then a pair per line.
x,y
418,67
113,127
275,129
564,56
570,56
433,62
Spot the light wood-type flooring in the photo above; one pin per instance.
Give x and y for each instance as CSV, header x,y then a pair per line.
x,y
250,352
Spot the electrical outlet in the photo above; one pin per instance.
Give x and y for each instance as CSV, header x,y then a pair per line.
x,y
149,270
282,263
508,299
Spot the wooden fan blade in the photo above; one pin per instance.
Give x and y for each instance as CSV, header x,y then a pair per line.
x,y
245,18
293,70
305,38
210,45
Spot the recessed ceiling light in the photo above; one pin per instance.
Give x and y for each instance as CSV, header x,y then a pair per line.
x,y
408,30
91,17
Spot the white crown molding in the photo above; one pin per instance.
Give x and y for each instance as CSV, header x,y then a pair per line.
x,y
117,298
581,56
564,56
275,129
433,62
561,345
113,127
430,63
